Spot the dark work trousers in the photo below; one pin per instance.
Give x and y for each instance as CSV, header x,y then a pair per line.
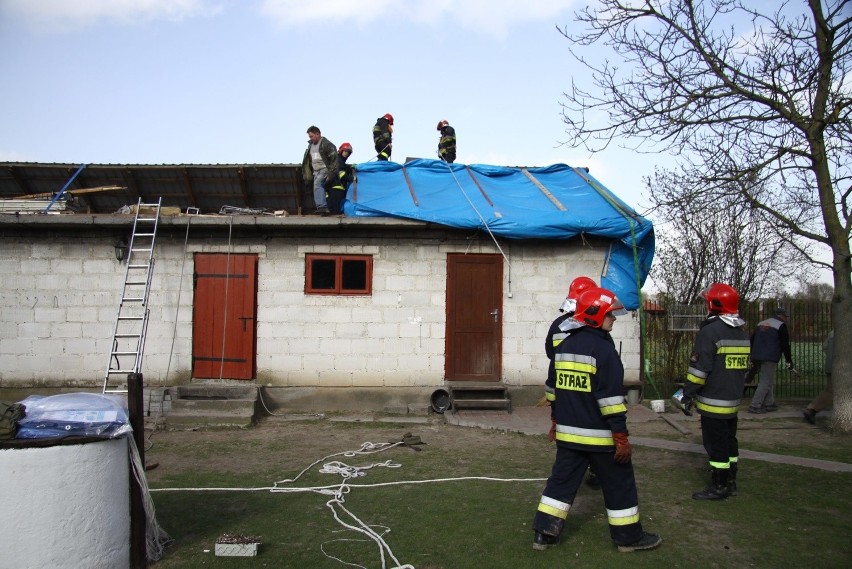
x,y
335,198
720,440
617,483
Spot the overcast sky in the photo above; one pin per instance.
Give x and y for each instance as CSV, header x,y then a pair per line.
x,y
239,81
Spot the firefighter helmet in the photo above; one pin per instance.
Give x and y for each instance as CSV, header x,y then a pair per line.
x,y
345,147
442,124
389,117
593,305
721,298
577,286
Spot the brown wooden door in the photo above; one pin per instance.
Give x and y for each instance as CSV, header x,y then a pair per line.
x,y
224,332
474,317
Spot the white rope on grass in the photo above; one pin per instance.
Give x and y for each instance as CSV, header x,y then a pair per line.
x,y
337,493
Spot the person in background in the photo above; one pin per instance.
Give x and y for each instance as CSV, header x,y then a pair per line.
x,y
554,337
447,144
825,400
319,165
383,137
768,342
337,187
714,386
591,429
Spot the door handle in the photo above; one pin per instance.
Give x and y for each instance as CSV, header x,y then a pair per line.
x,y
495,313
244,318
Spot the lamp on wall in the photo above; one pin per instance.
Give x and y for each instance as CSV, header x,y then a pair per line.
x,y
120,249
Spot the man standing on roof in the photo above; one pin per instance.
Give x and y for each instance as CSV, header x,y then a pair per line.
x,y
591,428
318,165
383,137
768,342
714,386
337,187
447,144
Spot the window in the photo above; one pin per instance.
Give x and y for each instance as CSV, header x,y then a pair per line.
x,y
338,274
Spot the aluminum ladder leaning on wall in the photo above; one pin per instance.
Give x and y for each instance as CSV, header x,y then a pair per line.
x,y
131,322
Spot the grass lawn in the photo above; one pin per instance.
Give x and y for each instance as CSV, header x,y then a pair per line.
x,y
784,516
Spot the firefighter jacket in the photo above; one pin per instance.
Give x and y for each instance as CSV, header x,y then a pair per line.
x,y
717,368
447,144
344,176
769,340
382,138
588,401
328,152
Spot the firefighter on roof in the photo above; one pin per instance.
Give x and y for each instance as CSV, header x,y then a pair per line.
x,y
383,137
447,144
591,428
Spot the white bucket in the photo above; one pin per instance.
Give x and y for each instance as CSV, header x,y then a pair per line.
x,y
658,405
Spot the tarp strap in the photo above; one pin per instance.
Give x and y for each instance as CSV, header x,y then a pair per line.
x,y
410,187
629,217
544,190
481,191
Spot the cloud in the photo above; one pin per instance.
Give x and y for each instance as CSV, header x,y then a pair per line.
x,y
493,17
67,15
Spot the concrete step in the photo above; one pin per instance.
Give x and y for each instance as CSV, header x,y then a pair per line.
x,y
212,407
479,395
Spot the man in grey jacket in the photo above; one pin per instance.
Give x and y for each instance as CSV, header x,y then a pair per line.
x,y
318,165
768,342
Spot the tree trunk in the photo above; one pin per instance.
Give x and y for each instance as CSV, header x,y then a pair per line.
x,y
841,318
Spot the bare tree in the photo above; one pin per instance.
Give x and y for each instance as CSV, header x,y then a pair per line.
x,y
707,237
757,103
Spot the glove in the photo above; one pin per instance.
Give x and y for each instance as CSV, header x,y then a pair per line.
x,y
623,450
551,434
688,405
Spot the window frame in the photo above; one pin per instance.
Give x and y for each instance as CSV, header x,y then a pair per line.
x,y
339,260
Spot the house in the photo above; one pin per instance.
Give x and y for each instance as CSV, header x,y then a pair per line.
x,y
436,273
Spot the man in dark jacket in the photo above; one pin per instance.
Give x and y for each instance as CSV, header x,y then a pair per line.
x,y
714,386
447,144
383,137
591,429
768,342
318,165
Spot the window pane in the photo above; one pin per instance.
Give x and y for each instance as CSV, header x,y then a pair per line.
x,y
354,275
322,274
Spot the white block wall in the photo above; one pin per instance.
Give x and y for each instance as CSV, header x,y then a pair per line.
x,y
59,297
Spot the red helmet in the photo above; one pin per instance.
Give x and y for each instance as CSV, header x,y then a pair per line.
x,y
442,124
345,146
594,304
578,285
721,298
389,117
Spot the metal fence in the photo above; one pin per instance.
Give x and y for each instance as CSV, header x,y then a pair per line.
x,y
670,333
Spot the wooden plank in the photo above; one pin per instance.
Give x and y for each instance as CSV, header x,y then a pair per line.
x,y
77,192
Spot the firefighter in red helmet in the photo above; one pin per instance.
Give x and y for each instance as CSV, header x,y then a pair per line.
x,y
591,428
714,386
383,137
447,143
554,337
336,189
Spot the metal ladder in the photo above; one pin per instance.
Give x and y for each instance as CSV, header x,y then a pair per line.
x,y
131,322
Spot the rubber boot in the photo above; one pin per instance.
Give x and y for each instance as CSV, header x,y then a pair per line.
x,y
718,489
732,480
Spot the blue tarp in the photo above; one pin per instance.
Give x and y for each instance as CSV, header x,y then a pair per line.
x,y
553,202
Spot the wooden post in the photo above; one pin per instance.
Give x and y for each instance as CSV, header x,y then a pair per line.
x,y
135,408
